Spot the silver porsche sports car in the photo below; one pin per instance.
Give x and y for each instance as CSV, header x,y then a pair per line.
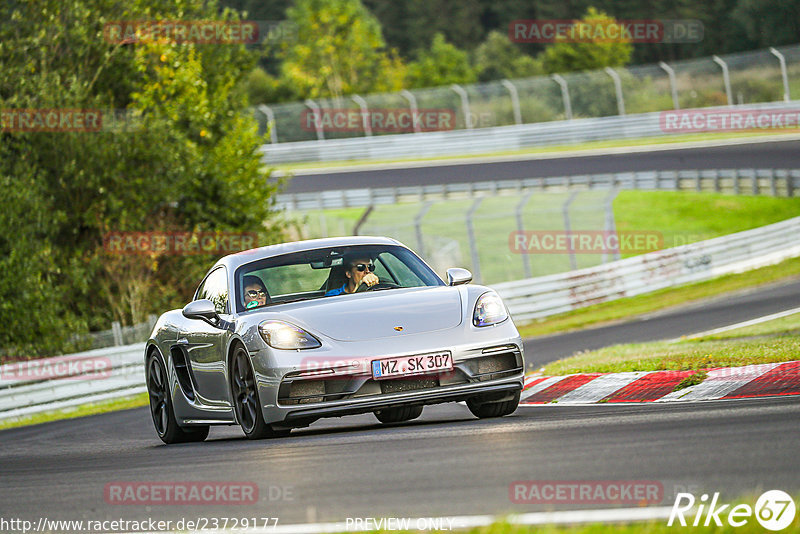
x,y
280,336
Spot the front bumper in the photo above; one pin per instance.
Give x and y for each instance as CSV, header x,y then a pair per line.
x,y
295,393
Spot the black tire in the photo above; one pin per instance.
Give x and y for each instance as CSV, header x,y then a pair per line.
x,y
164,420
493,409
398,415
245,399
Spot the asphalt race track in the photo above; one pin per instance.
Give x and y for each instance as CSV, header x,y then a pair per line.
x,y
775,155
445,463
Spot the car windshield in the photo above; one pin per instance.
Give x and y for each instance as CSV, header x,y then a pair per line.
x,y
322,273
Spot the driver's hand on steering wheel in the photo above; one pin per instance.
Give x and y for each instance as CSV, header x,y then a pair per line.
x,y
370,279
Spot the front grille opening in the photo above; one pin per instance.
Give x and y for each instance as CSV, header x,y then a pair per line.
x,y
494,366
310,391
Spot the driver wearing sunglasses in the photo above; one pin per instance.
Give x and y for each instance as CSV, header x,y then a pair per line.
x,y
255,294
359,271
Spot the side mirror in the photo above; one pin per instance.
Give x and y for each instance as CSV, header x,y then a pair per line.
x,y
457,276
201,309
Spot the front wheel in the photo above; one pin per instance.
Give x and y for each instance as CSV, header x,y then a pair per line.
x,y
493,409
398,415
164,419
245,399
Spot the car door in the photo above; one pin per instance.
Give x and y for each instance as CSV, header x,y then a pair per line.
x,y
205,344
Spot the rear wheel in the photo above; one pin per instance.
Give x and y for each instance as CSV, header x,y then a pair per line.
x,y
398,415
483,409
246,401
164,419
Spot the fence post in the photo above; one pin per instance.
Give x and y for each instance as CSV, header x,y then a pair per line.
x,y
514,100
362,219
412,105
464,104
568,230
116,331
271,125
564,94
784,74
364,114
473,245
618,89
726,78
673,84
317,118
610,224
526,262
418,226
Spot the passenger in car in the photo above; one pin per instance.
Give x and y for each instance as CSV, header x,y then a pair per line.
x,y
255,293
358,270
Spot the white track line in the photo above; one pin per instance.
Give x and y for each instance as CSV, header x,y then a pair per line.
x,y
614,515
751,322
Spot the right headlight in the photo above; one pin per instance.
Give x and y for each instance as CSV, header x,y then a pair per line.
x,y
489,310
281,335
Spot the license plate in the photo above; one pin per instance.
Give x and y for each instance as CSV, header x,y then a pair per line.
x,y
412,365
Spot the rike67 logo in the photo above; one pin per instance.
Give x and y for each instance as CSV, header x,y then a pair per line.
x,y
774,510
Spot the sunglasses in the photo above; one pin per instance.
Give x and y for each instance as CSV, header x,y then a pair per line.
x,y
361,267
253,293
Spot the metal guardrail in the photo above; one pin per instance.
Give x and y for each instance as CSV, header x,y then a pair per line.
x,y
526,299
774,182
481,140
31,387
549,295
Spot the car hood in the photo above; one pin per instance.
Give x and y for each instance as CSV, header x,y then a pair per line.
x,y
375,315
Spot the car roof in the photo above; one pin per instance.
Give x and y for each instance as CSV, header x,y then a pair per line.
x,y
234,261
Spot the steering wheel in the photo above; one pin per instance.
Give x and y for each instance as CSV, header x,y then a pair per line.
x,y
382,284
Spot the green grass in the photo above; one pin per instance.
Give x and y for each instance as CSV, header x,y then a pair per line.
x,y
686,217
785,326
769,342
630,307
78,411
593,145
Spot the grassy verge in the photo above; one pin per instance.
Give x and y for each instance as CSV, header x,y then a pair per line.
x,y
78,411
629,307
593,145
768,342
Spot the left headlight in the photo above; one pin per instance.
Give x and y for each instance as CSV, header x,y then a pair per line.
x,y
489,310
280,335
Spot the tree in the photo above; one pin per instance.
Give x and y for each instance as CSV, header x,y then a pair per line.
x,y
497,57
595,52
443,64
339,51
183,159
